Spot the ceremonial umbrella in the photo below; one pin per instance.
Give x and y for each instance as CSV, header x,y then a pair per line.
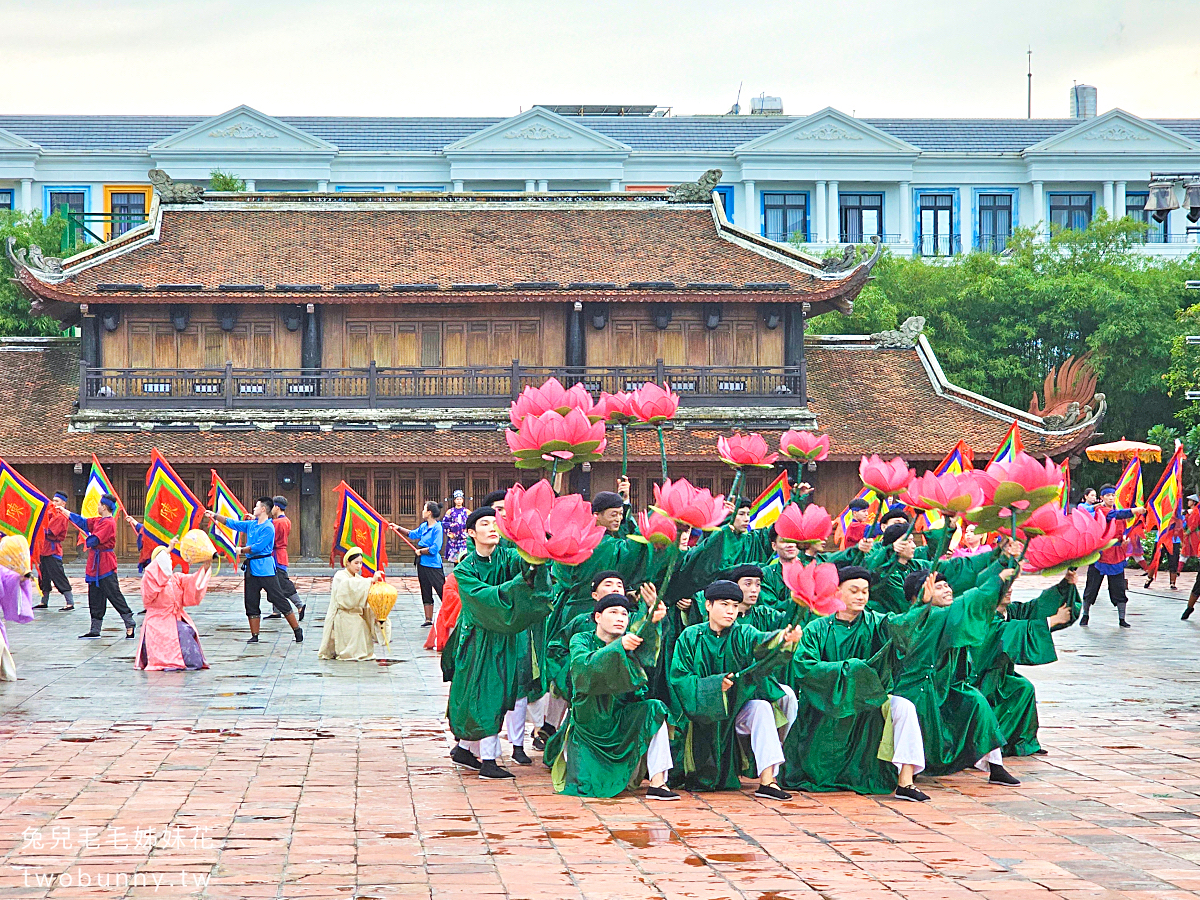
x,y
1123,451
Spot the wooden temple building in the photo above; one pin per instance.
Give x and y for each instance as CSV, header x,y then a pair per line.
x,y
291,341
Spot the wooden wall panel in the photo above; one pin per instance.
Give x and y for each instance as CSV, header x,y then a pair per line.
x,y
631,338
147,338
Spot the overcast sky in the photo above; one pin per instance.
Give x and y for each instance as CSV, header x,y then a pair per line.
x,y
495,57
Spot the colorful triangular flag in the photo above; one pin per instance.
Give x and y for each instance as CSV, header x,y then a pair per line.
x,y
358,525
770,503
223,502
1009,447
172,510
22,508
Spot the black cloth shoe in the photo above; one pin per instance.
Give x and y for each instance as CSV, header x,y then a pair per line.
x,y
1187,613
1041,751
772,792
299,632
661,793
1000,775
66,608
273,616
911,793
253,639
130,631
520,757
1083,620
427,624
539,741
464,757
1124,624
547,730
300,613
489,769
90,634
42,605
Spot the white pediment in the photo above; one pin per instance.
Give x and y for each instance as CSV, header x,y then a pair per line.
x,y
1116,132
10,141
828,131
537,130
243,130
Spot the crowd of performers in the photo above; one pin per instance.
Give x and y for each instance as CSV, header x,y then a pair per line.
x,y
692,666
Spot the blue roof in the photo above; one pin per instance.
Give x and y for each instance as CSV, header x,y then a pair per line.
x,y
668,134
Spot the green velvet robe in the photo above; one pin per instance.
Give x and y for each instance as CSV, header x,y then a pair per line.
x,y
573,584
841,673
482,659
957,723
764,618
961,574
705,747
1022,638
601,748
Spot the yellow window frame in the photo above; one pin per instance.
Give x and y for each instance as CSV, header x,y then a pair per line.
x,y
110,189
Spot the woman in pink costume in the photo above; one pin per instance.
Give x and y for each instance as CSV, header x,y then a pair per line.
x,y
169,641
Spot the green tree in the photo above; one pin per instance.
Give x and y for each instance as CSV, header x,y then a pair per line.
x,y
16,317
225,181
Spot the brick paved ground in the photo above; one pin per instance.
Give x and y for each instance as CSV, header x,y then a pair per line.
x,y
276,775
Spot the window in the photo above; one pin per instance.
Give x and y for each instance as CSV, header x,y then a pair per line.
x,y
995,222
936,237
1135,209
785,215
861,217
725,192
359,188
1070,211
6,200
128,211
75,201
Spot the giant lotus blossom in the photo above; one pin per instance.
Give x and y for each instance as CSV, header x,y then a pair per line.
x,y
616,409
654,405
808,528
739,450
804,446
551,395
1014,489
689,505
656,530
1048,519
813,586
950,492
552,437
885,478
544,527
1077,543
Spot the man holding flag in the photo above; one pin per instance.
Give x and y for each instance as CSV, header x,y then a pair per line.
x,y
50,564
1111,564
100,533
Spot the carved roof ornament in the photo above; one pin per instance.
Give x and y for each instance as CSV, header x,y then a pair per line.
x,y
536,132
1115,132
170,191
827,132
32,258
242,131
904,337
696,191
840,265
1069,394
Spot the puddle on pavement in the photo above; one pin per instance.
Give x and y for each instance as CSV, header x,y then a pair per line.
x,y
748,856
78,740
454,833
648,836
398,835
695,861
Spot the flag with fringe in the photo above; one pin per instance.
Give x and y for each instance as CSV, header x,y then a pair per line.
x,y
223,502
1130,488
97,486
770,503
1064,497
358,525
1009,447
960,459
22,509
1164,503
172,510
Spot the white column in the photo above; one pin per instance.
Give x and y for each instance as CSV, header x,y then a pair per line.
x,y
249,184
322,187
820,218
1119,200
27,195
543,186
614,185
966,225
906,212
458,186
748,217
833,232
1108,200
530,185
1037,216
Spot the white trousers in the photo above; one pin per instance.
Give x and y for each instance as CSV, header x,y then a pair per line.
x,y
488,748
993,758
908,749
658,754
757,719
514,722
556,710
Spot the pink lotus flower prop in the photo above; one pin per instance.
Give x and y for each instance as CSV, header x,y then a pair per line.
x,y
689,505
813,586
564,441
654,405
656,530
804,446
885,478
745,450
1013,490
1078,543
948,493
616,409
544,527
808,528
1047,519
534,401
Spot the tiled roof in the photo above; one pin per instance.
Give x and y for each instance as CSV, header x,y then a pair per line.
x,y
582,247
642,133
899,413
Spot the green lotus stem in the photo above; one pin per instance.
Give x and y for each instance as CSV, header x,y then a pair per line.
x,y
737,479
641,625
662,449
892,562
624,450
553,471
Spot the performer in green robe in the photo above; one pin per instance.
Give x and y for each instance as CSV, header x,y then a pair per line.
x,y
615,733
850,733
752,611
900,557
1020,635
721,550
958,725
502,596
723,685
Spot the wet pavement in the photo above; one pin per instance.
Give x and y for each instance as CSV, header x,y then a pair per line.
x,y
274,774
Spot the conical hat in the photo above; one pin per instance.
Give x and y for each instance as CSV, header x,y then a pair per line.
x,y
14,554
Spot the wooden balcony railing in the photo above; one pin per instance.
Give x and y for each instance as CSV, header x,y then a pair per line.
x,y
378,387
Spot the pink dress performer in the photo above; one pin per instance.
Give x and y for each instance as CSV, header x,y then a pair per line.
x,y
169,641
16,596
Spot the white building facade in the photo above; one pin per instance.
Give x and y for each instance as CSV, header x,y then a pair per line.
x,y
928,187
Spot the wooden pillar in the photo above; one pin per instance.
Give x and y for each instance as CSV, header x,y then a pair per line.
x,y
795,319
89,341
311,544
310,340
576,353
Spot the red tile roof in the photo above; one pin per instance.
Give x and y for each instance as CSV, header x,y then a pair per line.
x,y
867,399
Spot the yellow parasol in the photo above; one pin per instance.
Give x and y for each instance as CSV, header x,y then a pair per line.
x,y
1123,451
